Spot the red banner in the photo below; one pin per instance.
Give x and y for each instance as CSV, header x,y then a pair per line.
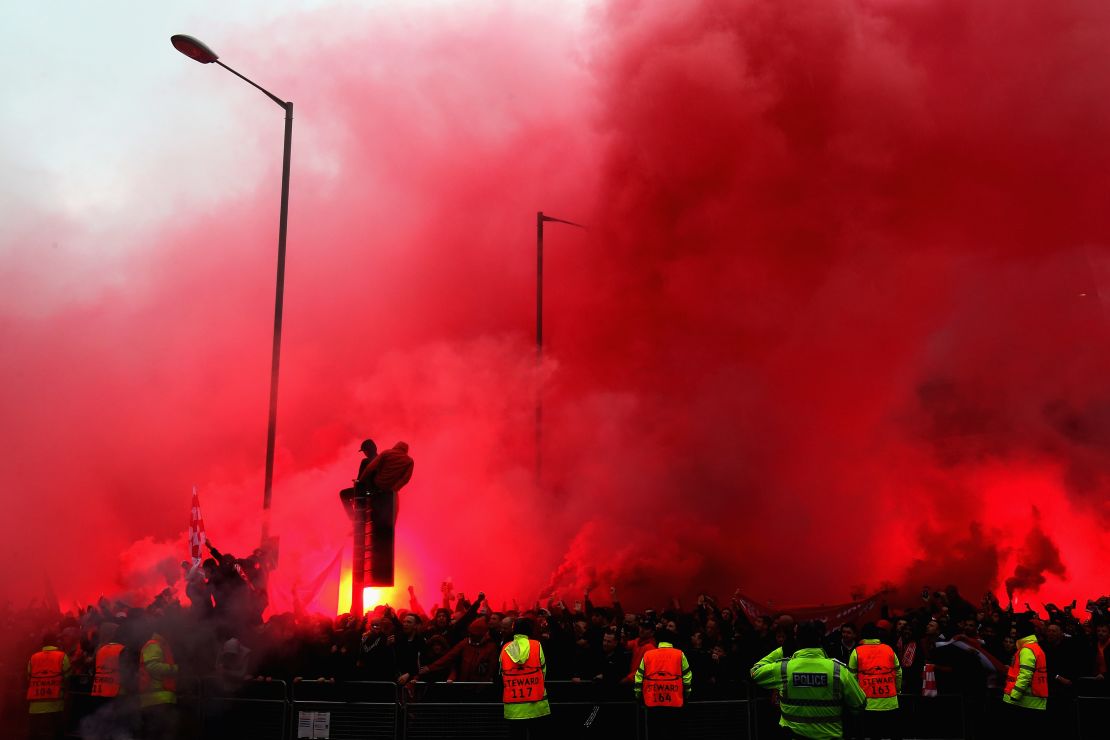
x,y
833,616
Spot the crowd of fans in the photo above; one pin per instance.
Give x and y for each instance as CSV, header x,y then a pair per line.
x,y
219,635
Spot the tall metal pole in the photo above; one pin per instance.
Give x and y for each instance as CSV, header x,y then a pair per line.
x,y
540,219
199,51
539,344
275,358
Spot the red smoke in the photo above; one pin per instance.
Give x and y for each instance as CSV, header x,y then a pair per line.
x,y
839,316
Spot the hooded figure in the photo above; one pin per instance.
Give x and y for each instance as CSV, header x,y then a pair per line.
x,y
389,471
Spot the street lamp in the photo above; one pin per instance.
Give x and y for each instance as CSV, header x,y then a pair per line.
x,y
195,49
540,220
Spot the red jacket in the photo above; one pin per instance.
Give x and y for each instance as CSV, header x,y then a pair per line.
x,y
470,662
638,651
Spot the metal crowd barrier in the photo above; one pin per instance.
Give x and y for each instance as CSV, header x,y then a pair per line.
x,y
942,716
1092,717
257,709
456,710
86,713
355,710
274,710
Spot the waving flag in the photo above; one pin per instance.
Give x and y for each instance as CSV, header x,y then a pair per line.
x,y
196,531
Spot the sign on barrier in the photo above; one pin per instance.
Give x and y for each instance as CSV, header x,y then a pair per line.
x,y
356,710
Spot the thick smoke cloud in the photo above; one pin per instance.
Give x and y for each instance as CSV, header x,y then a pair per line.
x,y
838,316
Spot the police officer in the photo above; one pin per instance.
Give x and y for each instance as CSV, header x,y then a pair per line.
x,y
663,679
47,672
879,675
523,670
813,689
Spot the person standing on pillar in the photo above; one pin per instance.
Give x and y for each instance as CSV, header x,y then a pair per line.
x,y
158,689
47,672
879,675
663,679
813,689
387,473
1026,693
382,479
523,670
347,496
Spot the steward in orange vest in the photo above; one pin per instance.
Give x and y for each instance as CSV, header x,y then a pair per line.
x,y
877,670
879,675
47,672
663,679
1027,679
1026,694
115,710
107,677
523,670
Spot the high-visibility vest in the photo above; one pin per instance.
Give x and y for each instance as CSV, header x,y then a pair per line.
x,y
106,681
662,685
811,691
1040,671
46,676
522,682
875,666
146,681
929,679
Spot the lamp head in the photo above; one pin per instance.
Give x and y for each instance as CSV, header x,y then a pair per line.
x,y
193,48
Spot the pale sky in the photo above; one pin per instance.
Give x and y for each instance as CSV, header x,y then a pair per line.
x,y
106,129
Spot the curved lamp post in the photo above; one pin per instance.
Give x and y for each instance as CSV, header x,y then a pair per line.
x,y
195,49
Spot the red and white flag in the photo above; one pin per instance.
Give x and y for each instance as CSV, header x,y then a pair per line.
x,y
196,531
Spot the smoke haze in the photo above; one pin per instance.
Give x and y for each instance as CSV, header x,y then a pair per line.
x,y
839,316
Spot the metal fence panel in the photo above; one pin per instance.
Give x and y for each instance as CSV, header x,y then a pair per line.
x,y
469,721
360,710
1092,716
940,716
716,720
596,719
353,721
226,718
255,709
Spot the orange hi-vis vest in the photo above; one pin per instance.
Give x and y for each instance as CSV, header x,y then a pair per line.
x,y
169,683
46,676
1040,671
662,685
522,682
106,680
875,666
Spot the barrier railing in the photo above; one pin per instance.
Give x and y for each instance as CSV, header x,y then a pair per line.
x,y
256,709
941,716
1092,715
354,710
379,710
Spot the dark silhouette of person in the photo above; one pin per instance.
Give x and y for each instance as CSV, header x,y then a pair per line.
x,y
347,495
382,479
